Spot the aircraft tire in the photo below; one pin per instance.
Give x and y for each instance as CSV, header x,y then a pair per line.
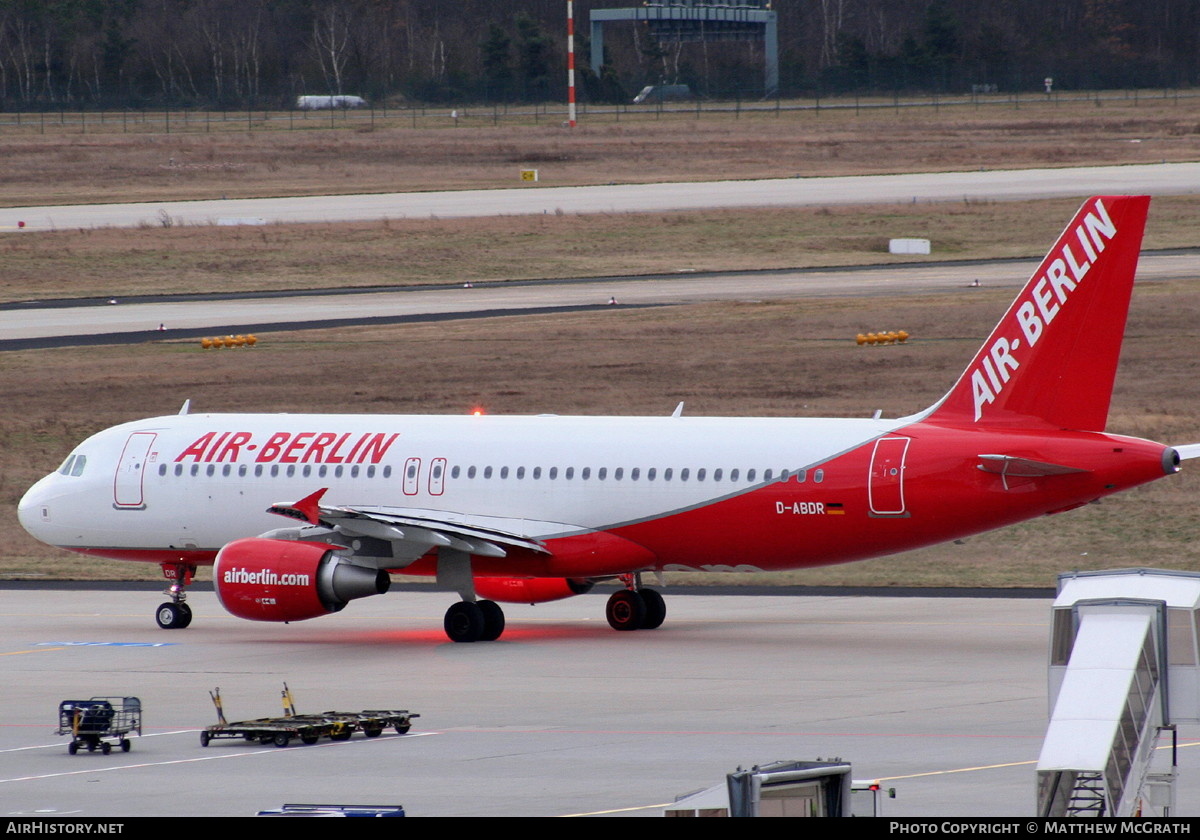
x,y
656,609
185,616
626,610
464,622
493,620
169,616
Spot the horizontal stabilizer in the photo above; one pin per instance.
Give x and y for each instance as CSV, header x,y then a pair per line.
x,y
1022,467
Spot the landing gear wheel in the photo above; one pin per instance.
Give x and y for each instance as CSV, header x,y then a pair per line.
x,y
626,610
464,622
173,616
493,620
656,609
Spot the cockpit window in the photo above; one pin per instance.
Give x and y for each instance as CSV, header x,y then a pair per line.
x,y
73,465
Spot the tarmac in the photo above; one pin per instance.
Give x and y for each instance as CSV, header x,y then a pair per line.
x,y
943,699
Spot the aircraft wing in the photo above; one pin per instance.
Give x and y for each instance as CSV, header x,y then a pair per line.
x,y
413,531
1188,450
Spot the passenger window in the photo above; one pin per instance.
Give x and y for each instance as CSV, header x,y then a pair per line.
x,y
504,472
733,475
586,473
537,472
683,474
179,469
453,473
470,472
210,470
651,473
370,471
716,475
162,469
619,473
819,476
750,475
801,476
242,470
667,474
520,472
570,473
700,474
487,472
633,473
226,470
602,473
354,471
553,473
387,472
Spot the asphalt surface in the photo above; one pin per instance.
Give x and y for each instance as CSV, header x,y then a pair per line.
x,y
991,185
60,323
943,699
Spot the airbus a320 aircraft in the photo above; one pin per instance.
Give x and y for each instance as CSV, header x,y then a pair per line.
x,y
530,509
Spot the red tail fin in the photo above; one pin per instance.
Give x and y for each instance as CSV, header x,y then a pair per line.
x,y
1053,357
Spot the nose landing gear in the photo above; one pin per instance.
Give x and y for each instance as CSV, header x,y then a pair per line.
x,y
175,614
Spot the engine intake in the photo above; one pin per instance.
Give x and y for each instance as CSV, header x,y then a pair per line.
x,y
282,580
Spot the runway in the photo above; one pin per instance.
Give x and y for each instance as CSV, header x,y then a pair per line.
x,y
943,699
241,314
991,185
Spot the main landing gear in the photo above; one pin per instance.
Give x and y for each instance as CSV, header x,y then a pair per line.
x,y
474,621
636,609
175,614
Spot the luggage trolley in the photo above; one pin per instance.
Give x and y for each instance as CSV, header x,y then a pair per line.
x,y
100,722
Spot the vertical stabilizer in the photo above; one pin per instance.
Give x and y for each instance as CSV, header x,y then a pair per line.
x,y
1052,359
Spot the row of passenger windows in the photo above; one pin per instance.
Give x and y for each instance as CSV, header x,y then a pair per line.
x,y
274,470
503,473
637,474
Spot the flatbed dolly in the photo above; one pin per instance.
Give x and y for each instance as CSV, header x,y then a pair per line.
x,y
308,729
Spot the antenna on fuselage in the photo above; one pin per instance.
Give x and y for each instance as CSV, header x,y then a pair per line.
x,y
678,412
186,408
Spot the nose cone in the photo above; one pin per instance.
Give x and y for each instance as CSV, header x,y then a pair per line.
x,y
36,508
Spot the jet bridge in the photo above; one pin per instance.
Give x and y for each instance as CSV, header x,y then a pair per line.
x,y
1123,670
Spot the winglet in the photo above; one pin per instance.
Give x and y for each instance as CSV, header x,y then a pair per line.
x,y
307,509
1052,358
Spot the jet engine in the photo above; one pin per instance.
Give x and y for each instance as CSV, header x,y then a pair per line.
x,y
529,590
284,580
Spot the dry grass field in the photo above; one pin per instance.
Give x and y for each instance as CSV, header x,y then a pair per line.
x,y
803,360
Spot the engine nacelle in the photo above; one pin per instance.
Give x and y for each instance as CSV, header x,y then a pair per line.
x,y
529,590
284,580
